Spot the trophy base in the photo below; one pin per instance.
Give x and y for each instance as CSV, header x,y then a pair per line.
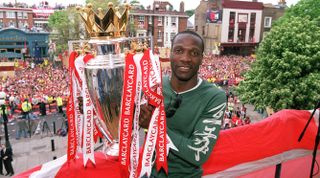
x,y
112,151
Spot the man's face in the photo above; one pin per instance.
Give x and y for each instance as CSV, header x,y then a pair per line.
x,y
186,57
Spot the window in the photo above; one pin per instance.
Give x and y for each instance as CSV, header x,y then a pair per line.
x,y
160,20
242,18
241,35
160,34
167,21
1,24
131,19
173,21
230,34
20,15
196,28
11,15
150,20
20,24
166,37
267,22
172,34
232,18
141,24
253,18
11,24
25,15
1,14
251,35
203,30
141,18
252,27
38,25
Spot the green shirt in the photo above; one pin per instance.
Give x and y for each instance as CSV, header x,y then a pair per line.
x,y
193,128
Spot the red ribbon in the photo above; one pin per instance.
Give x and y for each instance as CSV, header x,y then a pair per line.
x,y
154,98
72,143
161,145
127,112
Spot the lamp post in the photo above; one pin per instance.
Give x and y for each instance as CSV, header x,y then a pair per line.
x,y
4,117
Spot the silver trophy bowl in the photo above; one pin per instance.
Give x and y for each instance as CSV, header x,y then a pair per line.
x,y
104,78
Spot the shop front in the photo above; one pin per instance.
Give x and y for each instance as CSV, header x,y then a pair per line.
x,y
19,44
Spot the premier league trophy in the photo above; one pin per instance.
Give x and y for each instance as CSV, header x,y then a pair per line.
x,y
104,73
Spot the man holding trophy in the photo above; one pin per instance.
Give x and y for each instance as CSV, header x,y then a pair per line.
x,y
194,109
120,81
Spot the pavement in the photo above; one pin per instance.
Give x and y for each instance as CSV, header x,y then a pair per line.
x,y
34,151
254,115
31,152
38,149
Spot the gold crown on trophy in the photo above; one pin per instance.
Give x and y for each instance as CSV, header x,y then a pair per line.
x,y
105,25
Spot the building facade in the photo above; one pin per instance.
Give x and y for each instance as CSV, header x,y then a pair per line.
x,y
234,27
208,19
19,44
15,17
241,27
160,21
23,31
270,14
35,18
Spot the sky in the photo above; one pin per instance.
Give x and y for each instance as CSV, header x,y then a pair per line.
x,y
189,4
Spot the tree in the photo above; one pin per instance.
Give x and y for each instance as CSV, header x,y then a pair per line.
x,y
134,3
304,8
66,25
190,12
287,70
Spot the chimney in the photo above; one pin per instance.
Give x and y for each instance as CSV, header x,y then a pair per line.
x,y
181,6
282,3
254,0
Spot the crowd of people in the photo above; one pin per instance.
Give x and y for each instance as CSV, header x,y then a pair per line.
x,y
222,70
41,83
225,71
36,82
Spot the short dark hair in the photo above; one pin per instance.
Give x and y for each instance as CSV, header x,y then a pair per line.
x,y
190,33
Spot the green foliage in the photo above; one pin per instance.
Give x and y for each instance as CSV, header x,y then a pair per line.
x,y
287,70
189,12
65,26
304,8
134,2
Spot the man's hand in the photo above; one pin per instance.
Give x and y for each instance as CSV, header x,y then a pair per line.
x,y
146,111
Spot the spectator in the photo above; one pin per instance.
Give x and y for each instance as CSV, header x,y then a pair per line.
x,y
6,155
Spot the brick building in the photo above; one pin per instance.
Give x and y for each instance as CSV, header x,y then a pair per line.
x,y
15,17
23,31
241,27
270,14
161,21
234,27
25,17
208,23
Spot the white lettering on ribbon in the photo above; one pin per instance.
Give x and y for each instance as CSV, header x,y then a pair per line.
x,y
150,143
134,154
71,150
79,66
127,110
88,143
